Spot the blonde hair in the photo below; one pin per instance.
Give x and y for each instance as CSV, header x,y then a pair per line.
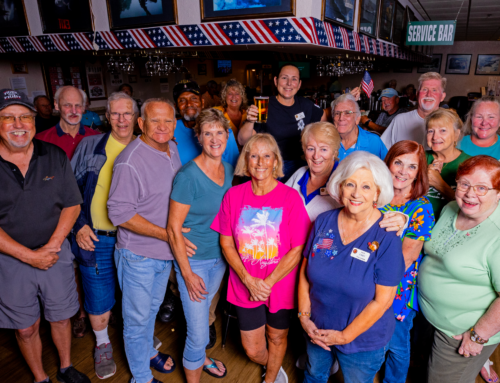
x,y
467,128
323,132
235,84
446,116
432,76
211,116
242,164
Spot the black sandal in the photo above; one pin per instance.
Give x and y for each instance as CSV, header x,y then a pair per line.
x,y
213,365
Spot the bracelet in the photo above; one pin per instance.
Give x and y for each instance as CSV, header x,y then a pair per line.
x,y
304,314
367,123
476,338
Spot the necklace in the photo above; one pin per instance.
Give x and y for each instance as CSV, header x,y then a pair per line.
x,y
345,239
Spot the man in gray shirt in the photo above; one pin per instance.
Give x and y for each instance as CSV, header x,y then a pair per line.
x,y
390,106
138,205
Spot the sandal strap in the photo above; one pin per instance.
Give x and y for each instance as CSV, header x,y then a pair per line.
x,y
213,365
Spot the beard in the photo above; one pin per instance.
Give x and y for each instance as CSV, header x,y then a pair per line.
x,y
186,117
427,107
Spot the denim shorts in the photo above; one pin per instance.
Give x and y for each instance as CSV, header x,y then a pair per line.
x,y
99,281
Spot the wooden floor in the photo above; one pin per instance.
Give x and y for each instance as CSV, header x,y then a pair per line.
x,y
240,368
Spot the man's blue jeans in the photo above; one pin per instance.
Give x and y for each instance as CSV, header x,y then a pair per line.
x,y
398,352
359,367
196,313
143,282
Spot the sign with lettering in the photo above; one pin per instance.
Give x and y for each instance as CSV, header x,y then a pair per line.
x,y
431,32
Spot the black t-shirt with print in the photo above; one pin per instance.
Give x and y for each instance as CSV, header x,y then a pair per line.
x,y
285,124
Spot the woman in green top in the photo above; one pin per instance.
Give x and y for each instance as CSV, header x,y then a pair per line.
x,y
459,278
197,194
443,131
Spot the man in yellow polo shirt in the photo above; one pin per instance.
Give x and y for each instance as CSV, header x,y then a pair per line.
x,y
94,236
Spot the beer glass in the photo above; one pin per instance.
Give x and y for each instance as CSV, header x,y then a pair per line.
x,y
262,102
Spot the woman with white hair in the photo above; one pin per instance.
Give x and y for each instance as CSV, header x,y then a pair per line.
x,y
349,275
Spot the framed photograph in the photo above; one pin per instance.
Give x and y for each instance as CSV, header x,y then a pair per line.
x,y
19,67
339,12
141,13
458,64
399,32
386,19
13,21
202,69
368,17
95,80
212,10
64,16
433,66
488,65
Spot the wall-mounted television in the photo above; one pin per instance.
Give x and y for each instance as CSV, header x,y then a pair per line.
x,y
223,68
304,67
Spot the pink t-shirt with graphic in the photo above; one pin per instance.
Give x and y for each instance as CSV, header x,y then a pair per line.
x,y
265,228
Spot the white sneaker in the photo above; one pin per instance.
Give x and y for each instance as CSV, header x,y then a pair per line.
x,y
281,378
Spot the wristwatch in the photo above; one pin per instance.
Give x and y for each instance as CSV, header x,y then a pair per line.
x,y
476,338
366,123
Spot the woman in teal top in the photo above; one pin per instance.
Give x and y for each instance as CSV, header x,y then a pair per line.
x,y
196,197
459,278
480,131
443,131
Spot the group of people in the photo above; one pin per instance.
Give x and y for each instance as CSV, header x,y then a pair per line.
x,y
356,234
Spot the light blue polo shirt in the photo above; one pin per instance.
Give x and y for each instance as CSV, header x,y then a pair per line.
x,y
369,142
189,147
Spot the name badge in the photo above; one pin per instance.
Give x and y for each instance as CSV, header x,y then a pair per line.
x,y
300,116
360,254
323,191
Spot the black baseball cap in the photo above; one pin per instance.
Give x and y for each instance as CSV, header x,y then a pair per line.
x,y
12,97
186,86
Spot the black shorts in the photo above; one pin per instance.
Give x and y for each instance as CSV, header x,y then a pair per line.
x,y
252,319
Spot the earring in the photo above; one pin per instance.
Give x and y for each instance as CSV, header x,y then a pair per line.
x,y
374,204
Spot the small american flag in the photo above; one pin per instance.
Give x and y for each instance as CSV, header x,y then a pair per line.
x,y
367,84
325,243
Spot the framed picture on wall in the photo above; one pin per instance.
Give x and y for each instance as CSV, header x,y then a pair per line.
x,y
386,19
458,64
202,69
141,13
339,12
398,32
488,65
13,20
368,10
212,10
64,16
95,80
19,67
433,66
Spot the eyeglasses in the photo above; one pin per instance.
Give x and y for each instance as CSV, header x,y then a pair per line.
x,y
116,116
25,119
480,190
347,113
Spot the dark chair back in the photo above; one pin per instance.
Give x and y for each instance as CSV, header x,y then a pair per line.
x,y
460,104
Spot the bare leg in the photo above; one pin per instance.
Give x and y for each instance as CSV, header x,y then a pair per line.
x,y
30,344
99,322
277,341
61,335
254,343
193,376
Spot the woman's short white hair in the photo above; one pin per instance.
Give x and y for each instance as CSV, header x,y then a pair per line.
x,y
362,160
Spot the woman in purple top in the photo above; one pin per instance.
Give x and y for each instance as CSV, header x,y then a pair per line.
x,y
349,275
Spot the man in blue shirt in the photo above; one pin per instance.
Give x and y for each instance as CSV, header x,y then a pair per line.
x,y
346,116
189,104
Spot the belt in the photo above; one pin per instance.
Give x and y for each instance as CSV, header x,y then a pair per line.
x,y
106,233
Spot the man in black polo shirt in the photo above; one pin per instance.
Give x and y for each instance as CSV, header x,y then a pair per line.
x,y
287,117
40,202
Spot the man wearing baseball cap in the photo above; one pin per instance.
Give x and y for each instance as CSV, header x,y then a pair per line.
x,y
390,105
41,202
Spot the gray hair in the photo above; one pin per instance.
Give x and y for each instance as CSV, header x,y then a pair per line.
x,y
346,98
57,96
467,127
432,76
121,96
151,100
362,160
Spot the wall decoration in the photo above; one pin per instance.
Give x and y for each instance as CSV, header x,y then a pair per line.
x,y
368,17
202,69
386,19
399,31
62,16
488,65
433,66
19,67
458,64
13,18
339,11
95,79
141,13
243,9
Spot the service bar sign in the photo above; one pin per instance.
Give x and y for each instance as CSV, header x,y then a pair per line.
x,y
431,32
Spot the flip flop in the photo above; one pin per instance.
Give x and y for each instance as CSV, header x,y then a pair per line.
x,y
213,365
158,362
488,374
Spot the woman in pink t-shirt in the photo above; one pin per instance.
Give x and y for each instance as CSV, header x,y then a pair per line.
x,y
263,226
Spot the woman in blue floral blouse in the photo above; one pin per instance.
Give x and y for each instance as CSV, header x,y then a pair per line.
x,y
408,166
